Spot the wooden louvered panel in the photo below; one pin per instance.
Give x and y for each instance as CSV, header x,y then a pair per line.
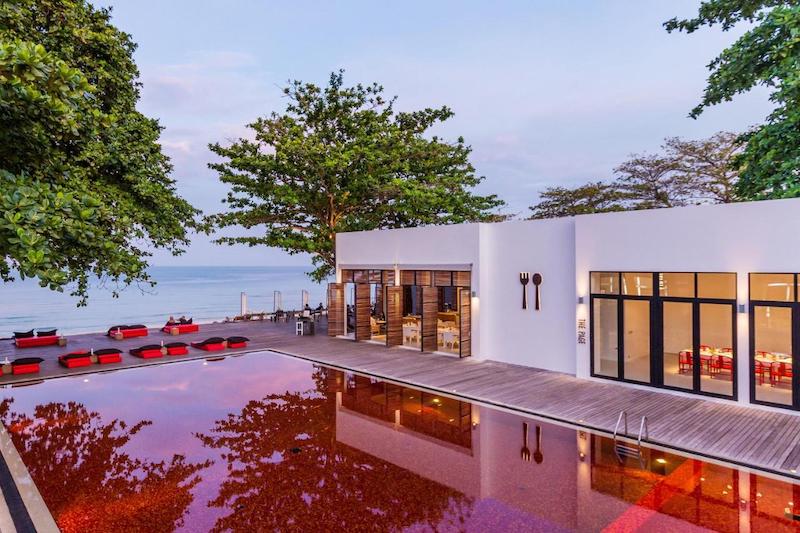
x,y
462,279
430,315
361,276
394,315
374,276
465,326
335,309
379,308
362,312
347,276
388,277
424,278
442,278
407,277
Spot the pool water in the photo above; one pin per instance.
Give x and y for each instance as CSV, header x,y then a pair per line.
x,y
266,442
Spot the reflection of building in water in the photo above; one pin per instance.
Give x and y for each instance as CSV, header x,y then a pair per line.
x,y
430,414
564,480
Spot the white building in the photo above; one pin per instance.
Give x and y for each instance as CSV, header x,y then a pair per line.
x,y
701,300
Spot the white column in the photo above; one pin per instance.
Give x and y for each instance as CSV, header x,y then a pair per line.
x,y
243,304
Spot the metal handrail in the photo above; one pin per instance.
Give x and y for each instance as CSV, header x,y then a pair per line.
x,y
643,429
623,416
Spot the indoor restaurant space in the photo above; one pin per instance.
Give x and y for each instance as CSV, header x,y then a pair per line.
x,y
428,310
667,329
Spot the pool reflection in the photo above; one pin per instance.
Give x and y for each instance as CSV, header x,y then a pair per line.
x,y
276,442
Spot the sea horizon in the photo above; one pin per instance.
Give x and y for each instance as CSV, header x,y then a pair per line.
x,y
205,293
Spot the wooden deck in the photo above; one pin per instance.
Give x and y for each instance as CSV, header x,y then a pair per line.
x,y
754,437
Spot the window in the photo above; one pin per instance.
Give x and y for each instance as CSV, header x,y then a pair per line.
x,y
605,282
605,337
715,285
668,329
774,324
676,284
772,287
637,283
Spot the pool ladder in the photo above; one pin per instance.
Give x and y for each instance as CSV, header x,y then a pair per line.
x,y
623,449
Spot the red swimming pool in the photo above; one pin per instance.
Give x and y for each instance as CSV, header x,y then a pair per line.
x,y
265,442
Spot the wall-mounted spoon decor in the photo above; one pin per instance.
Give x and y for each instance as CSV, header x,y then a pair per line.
x,y
524,277
537,280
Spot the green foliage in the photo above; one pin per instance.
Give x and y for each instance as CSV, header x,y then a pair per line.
x,y
341,159
84,186
594,197
683,173
768,54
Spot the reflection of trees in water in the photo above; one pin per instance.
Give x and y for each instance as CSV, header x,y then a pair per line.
x,y
285,468
88,483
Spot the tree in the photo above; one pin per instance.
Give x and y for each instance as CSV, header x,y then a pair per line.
x,y
84,186
707,165
342,159
88,480
683,173
768,54
288,470
652,182
594,197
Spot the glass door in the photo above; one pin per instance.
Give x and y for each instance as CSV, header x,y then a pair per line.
x,y
773,353
678,344
717,360
636,343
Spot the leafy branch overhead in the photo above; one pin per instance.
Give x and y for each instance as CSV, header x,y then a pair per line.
x,y
768,55
84,187
343,159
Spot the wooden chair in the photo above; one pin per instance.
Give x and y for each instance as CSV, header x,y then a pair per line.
x,y
685,361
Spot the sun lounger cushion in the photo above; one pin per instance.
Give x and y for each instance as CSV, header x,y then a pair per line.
x,y
26,365
237,342
23,334
46,332
75,359
128,331
212,344
108,355
182,328
177,348
29,342
150,351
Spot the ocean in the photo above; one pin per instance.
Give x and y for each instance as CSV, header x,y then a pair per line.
x,y
204,293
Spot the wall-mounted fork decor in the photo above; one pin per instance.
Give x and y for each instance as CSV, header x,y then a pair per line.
x,y
524,278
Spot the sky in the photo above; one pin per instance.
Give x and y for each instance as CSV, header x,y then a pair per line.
x,y
546,92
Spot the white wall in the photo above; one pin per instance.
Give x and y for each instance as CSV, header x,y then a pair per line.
x,y
544,338
742,238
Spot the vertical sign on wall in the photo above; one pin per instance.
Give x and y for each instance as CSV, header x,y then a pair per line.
x,y
581,331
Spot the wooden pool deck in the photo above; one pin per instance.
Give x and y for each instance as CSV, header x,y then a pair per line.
x,y
759,438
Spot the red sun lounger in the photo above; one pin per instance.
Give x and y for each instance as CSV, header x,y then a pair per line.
x,y
25,365
43,337
237,342
127,332
150,351
75,359
212,344
177,348
108,355
180,329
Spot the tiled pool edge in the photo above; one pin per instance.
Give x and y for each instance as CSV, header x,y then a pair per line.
x,y
558,420
25,504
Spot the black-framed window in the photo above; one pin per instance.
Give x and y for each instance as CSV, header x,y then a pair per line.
x,y
774,338
673,330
